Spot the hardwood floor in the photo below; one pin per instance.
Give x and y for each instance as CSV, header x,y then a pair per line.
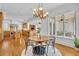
x,y
8,48
67,51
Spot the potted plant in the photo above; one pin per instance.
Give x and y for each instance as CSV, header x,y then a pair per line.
x,y
76,42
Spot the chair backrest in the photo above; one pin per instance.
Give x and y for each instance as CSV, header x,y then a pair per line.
x,y
51,41
39,50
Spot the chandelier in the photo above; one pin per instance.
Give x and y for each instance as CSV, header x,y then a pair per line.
x,y
39,12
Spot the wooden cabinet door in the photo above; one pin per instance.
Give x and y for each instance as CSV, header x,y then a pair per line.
x,y
1,30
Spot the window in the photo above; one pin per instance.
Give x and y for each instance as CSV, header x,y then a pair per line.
x,y
69,24
63,25
6,26
59,25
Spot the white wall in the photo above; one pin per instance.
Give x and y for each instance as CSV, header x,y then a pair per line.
x,y
77,21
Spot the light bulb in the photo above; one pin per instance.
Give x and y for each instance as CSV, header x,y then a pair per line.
x,y
40,8
46,13
34,10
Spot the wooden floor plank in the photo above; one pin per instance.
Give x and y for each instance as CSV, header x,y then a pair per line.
x,y
67,51
9,48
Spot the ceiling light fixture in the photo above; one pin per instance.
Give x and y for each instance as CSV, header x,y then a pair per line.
x,y
39,12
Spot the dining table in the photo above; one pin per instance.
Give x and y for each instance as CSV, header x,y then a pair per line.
x,y
38,39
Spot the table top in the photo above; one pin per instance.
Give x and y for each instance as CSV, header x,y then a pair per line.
x,y
38,39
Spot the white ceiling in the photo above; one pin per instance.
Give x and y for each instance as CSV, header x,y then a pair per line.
x,y
24,10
